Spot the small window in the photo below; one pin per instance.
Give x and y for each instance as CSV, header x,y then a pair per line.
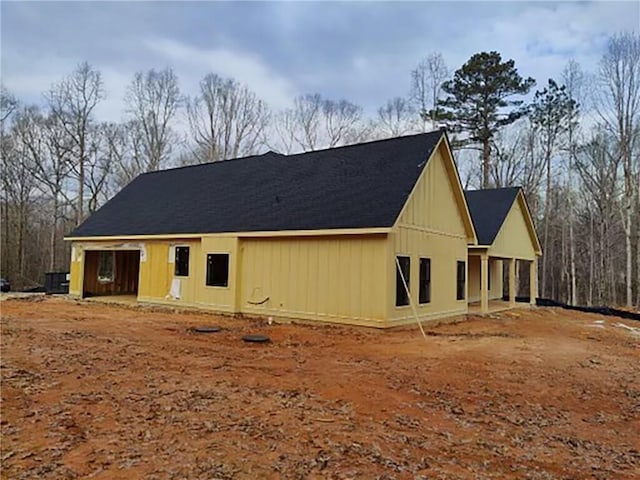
x,y
105,267
182,262
425,280
489,273
402,296
218,270
460,290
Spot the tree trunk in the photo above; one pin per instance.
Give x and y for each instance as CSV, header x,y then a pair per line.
x,y
547,211
486,159
53,238
628,256
80,213
637,215
638,262
565,264
592,255
5,243
21,229
572,248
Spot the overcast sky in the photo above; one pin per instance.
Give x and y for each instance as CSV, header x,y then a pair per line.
x,y
360,51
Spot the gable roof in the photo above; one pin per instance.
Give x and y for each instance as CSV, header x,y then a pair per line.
x,y
489,208
356,186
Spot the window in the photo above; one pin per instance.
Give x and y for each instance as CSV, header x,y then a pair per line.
x,y
460,290
182,262
105,267
425,280
218,269
404,270
489,273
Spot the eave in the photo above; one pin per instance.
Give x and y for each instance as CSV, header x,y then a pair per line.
x,y
282,233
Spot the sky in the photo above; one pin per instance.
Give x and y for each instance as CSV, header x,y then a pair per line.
x,y
361,51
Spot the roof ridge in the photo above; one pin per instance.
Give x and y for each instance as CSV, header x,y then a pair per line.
x,y
368,142
208,164
515,187
251,157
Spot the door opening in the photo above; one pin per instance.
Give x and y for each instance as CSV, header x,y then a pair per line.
x,y
111,272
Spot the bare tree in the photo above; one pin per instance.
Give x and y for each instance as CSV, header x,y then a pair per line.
x,y
227,120
314,122
48,149
18,185
153,98
619,109
343,122
598,165
72,102
282,137
395,118
508,166
306,115
8,105
426,87
124,143
100,161
550,115
573,79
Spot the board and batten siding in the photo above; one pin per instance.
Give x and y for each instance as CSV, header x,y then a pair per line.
x,y
155,275
330,278
430,226
76,271
514,239
156,278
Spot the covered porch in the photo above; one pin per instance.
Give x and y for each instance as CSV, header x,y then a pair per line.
x,y
488,274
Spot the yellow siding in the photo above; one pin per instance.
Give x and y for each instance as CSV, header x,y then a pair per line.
x,y
219,298
444,253
513,239
76,271
322,278
156,272
433,204
474,278
430,226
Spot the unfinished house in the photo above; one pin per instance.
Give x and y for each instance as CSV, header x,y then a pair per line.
x,y
506,238
372,234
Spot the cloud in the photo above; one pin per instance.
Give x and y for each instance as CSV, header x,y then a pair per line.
x,y
194,63
30,77
361,52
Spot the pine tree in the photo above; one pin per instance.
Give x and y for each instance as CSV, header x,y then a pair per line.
x,y
478,103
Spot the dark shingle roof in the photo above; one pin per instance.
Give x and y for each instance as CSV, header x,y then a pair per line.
x,y
489,209
356,186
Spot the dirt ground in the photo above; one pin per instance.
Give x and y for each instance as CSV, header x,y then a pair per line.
x,y
103,391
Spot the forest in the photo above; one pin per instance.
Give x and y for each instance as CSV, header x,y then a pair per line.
x,y
572,143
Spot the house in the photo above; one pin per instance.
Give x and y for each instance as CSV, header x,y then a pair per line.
x,y
506,236
370,234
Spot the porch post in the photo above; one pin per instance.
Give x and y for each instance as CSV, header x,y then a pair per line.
x,y
484,283
512,282
533,281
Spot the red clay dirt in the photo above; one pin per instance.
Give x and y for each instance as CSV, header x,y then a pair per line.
x,y
101,391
